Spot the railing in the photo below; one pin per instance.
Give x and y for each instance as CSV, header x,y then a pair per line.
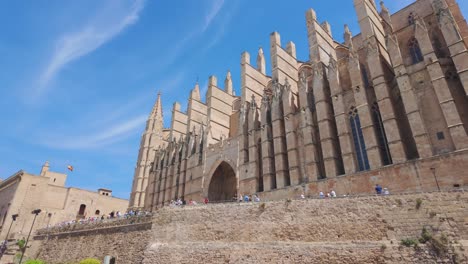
x,y
95,223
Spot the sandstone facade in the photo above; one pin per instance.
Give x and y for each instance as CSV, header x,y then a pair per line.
x,y
24,192
389,105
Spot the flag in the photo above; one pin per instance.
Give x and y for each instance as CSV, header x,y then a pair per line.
x,y
70,167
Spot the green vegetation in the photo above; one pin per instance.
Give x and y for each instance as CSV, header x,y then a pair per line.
x,y
90,261
418,203
408,242
383,247
425,236
34,261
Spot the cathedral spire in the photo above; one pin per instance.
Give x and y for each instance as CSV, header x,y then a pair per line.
x,y
156,113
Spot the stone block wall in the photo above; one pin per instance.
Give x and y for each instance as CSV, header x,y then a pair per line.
x,y
339,230
125,240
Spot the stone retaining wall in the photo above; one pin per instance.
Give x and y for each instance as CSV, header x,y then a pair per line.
x,y
342,230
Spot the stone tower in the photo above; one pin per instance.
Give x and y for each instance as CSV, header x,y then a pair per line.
x,y
152,138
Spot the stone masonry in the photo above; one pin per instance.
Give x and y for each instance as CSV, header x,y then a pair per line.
x,y
388,105
339,230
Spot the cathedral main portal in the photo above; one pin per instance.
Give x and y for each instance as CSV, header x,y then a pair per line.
x,y
223,185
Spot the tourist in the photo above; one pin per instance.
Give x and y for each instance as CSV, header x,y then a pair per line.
x,y
256,198
321,196
386,191
378,189
333,194
302,196
206,201
246,198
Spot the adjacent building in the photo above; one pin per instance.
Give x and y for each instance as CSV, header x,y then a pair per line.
x,y
24,192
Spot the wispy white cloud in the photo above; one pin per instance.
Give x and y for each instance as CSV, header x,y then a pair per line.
x,y
212,13
112,134
100,30
223,25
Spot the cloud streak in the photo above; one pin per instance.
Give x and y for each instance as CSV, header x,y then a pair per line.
x,y
106,137
212,13
72,46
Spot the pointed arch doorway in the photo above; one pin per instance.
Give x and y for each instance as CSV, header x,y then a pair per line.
x,y
223,184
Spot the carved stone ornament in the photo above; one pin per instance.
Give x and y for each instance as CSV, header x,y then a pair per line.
x,y
277,90
443,13
287,85
303,77
318,71
253,102
265,98
372,49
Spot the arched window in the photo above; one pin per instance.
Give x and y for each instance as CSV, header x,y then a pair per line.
x,y
358,140
415,51
381,136
82,209
260,166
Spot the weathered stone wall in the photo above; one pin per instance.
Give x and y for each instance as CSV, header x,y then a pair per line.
x,y
125,240
343,230
339,230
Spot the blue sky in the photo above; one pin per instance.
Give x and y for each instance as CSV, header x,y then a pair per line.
x,y
79,78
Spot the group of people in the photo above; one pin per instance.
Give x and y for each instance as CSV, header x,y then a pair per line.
x,y
381,191
114,215
246,198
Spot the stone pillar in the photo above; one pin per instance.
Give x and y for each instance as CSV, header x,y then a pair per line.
x,y
289,109
183,169
269,178
423,143
382,92
252,133
325,119
446,101
454,40
362,105
307,128
341,118
279,141
162,193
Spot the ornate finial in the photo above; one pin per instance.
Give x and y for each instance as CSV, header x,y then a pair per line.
x,y
383,7
346,29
